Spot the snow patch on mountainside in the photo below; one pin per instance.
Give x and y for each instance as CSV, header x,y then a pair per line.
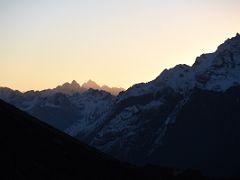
x,y
92,105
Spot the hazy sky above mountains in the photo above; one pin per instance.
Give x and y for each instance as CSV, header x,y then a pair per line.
x,y
44,43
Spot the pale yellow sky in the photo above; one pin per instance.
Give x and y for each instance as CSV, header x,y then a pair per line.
x,y
46,43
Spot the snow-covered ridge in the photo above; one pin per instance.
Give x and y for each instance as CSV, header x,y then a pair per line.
x,y
214,71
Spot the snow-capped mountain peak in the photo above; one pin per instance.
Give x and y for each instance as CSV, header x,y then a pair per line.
x,y
215,71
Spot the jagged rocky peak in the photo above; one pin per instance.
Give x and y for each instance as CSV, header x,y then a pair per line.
x,y
75,84
228,51
74,87
91,84
219,70
213,71
69,87
231,44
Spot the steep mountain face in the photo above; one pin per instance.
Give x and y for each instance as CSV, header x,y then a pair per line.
x,y
34,150
137,126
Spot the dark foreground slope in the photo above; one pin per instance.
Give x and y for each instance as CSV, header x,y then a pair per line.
x,y
31,149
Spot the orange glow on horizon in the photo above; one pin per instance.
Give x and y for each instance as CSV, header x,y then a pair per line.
x,y
44,44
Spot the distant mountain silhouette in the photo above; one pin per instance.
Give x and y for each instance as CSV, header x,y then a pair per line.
x,y
74,87
31,149
70,88
91,84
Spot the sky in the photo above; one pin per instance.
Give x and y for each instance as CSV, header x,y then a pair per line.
x,y
44,43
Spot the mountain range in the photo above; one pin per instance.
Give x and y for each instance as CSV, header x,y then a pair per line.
x,y
74,87
188,117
